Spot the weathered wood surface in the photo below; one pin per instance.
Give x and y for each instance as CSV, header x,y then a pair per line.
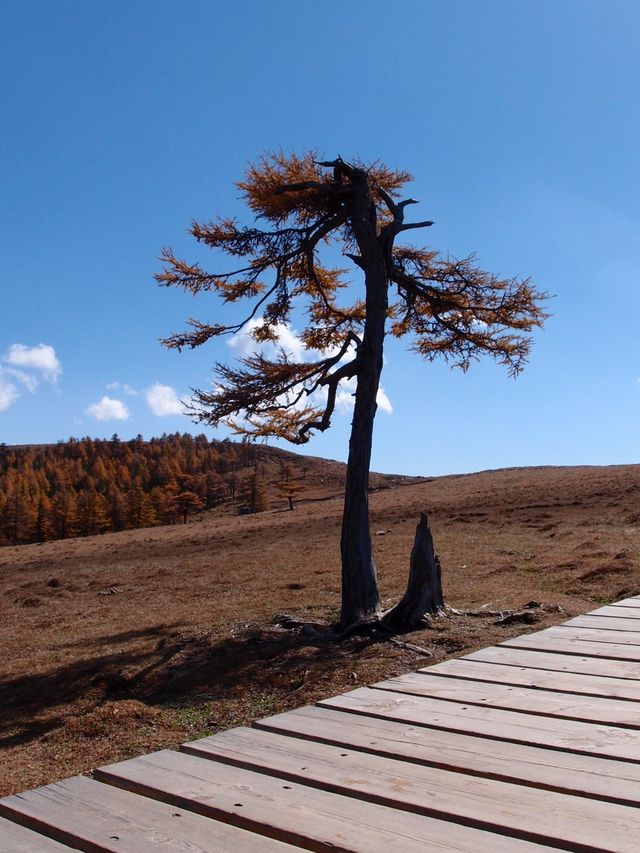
x,y
484,803
272,802
627,602
533,744
548,703
562,682
609,779
533,659
85,814
616,611
607,623
572,641
15,838
512,726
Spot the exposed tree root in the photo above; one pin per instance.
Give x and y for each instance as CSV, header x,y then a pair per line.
x,y
412,647
481,612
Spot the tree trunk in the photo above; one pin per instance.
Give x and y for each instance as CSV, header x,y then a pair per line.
x,y
423,596
360,596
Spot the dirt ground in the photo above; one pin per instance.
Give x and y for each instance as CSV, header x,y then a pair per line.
x,y
125,643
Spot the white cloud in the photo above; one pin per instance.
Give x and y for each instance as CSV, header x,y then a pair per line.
x,y
122,386
27,379
244,343
345,398
383,401
108,410
41,357
163,400
8,394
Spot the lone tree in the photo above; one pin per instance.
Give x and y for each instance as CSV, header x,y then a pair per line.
x,y
450,308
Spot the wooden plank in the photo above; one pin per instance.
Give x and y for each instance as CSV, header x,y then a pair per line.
x,y
631,603
18,839
592,635
529,729
604,623
315,819
557,662
499,806
618,612
532,700
584,775
89,815
570,642
561,682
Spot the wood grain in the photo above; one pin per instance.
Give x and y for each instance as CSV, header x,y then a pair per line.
x,y
533,700
15,838
315,819
427,790
604,623
80,811
602,778
530,729
574,641
561,682
534,659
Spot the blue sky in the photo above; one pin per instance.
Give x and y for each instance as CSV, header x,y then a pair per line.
x,y
519,120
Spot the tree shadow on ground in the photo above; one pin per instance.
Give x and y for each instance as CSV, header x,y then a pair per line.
x,y
177,670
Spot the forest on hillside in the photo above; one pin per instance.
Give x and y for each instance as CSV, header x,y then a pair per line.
x,y
87,486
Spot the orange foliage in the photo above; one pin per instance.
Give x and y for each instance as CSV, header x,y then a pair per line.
x,y
89,486
449,308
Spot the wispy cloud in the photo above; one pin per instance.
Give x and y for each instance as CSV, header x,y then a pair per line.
x,y
163,400
41,358
123,386
23,367
244,344
29,381
383,401
8,394
108,410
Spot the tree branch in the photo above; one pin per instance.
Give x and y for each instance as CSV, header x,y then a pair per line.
x,y
406,226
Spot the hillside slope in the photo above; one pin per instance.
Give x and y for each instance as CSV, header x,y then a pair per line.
x,y
121,643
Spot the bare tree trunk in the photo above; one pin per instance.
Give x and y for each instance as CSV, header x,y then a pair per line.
x,y
360,596
423,596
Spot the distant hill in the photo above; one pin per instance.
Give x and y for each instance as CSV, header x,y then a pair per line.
x,y
88,486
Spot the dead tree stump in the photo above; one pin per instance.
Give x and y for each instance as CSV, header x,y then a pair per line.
x,y
423,596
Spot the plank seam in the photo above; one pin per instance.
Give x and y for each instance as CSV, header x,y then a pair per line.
x,y
55,833
513,644
452,728
212,812
539,687
262,725
498,707
585,659
399,805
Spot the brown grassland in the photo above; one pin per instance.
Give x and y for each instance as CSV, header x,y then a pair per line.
x,y
121,644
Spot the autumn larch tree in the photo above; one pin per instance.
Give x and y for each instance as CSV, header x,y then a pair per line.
x,y
449,308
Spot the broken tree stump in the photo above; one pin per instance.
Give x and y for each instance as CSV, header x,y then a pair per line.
x,y
423,596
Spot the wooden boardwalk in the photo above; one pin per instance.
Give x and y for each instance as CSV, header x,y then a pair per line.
x,y
533,744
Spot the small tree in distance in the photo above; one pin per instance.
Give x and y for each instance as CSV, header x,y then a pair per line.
x,y
450,308
253,494
185,503
290,489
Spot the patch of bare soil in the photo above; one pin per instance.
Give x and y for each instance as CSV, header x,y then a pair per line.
x,y
125,643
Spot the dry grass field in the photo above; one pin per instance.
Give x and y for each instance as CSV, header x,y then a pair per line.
x,y
124,643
